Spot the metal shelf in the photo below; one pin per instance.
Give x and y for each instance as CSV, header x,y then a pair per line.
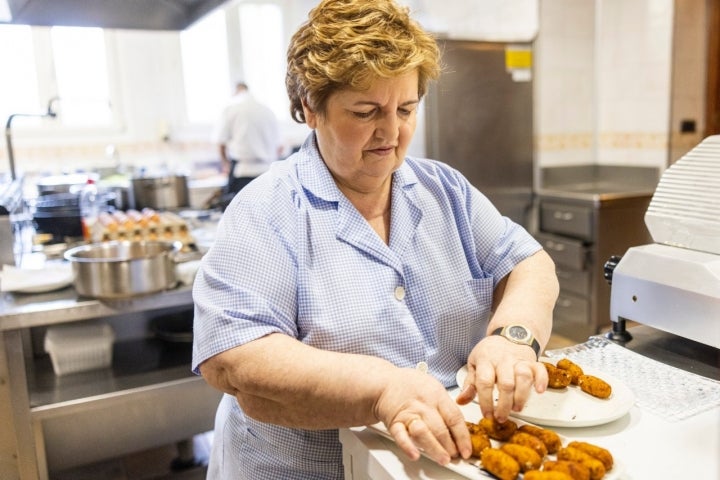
x,y
138,365
148,397
65,305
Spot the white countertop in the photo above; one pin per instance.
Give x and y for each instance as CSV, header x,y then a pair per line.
x,y
645,445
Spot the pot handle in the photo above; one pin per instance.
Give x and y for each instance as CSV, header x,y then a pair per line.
x,y
179,256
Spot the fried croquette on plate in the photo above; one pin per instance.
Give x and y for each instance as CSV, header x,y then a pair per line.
x,y
595,386
595,466
557,377
594,451
546,475
573,368
522,438
479,441
576,470
527,458
500,464
474,427
497,430
548,437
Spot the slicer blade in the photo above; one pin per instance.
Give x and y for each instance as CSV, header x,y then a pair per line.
x,y
685,208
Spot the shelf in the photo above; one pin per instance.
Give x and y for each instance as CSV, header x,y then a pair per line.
x,y
65,305
138,365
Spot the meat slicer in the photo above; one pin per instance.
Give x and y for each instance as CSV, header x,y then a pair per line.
x,y
673,284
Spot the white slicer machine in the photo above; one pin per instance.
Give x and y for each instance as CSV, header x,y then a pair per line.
x,y
674,283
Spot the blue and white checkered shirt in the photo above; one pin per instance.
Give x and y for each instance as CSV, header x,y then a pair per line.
x,y
292,255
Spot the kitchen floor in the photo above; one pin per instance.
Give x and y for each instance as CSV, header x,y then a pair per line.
x,y
156,464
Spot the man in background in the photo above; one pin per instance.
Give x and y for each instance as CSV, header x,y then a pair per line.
x,y
248,136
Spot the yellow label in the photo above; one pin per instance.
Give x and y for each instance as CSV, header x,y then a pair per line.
x,y
518,58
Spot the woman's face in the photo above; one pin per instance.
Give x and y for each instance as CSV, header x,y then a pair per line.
x,y
364,135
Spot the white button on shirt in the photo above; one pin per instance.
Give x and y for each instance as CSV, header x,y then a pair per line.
x,y
293,255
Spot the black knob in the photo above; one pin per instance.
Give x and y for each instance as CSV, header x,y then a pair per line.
x,y
609,267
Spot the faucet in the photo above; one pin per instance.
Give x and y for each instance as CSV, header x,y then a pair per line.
x,y
50,112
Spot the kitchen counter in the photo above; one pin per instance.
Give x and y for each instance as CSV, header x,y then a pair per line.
x,y
52,422
644,444
20,310
595,184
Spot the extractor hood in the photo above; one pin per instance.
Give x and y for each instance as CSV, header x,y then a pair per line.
x,y
124,14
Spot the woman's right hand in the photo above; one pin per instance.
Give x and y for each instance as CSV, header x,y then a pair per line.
x,y
422,417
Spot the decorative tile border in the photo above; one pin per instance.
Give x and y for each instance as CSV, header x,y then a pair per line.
x,y
633,140
564,141
606,140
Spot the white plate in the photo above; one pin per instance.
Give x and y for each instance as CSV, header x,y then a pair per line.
x,y
472,468
52,277
571,407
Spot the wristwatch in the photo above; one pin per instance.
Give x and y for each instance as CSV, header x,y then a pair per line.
x,y
520,335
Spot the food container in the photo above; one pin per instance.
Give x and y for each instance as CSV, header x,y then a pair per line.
x,y
81,347
122,269
161,192
59,215
55,184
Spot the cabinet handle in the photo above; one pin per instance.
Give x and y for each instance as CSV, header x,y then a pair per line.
x,y
564,216
558,247
564,303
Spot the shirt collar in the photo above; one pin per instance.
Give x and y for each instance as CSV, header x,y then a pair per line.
x,y
316,178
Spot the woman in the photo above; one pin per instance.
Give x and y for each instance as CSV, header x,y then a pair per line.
x,y
342,274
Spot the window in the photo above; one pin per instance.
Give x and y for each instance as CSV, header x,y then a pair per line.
x,y
263,54
18,82
208,57
205,68
81,76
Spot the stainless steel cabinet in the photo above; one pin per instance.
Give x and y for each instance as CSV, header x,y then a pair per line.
x,y
584,216
148,398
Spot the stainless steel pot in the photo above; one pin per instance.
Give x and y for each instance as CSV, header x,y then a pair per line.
x,y
123,269
161,192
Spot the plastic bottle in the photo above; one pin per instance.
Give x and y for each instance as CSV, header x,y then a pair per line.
x,y
89,208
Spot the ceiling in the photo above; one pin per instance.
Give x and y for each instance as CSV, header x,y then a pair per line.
x,y
122,14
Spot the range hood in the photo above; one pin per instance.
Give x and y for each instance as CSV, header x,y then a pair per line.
x,y
123,14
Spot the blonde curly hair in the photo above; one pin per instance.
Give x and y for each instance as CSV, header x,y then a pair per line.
x,y
348,44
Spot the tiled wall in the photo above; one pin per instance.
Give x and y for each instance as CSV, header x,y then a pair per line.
x,y
565,83
634,42
605,91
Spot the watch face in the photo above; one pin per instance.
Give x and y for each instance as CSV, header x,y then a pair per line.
x,y
518,332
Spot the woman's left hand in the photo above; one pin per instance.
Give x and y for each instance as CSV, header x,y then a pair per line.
x,y
512,367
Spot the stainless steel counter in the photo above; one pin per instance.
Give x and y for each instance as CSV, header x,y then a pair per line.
x,y
595,184
148,397
18,310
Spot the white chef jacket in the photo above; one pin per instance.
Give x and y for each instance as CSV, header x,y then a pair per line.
x,y
251,135
293,255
